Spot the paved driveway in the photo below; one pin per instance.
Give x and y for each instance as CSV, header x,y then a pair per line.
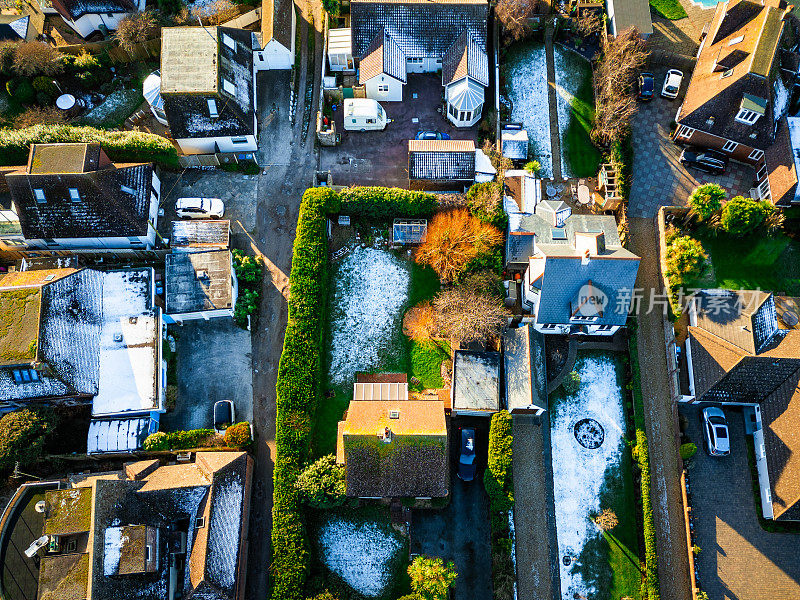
x,y
658,177
738,559
214,363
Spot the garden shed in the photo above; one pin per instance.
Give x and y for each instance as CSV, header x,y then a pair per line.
x,y
476,383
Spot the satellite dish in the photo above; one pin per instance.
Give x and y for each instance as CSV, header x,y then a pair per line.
x,y
40,507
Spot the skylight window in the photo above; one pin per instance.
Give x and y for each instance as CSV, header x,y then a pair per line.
x,y
736,40
559,234
128,190
727,73
229,87
39,193
74,195
228,41
212,108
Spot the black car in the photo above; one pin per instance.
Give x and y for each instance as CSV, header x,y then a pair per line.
x,y
431,135
223,415
709,161
466,462
647,86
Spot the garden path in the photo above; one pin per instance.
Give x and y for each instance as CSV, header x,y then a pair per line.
x,y
552,100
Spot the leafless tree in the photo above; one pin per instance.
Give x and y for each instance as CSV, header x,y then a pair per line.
x,y
137,28
589,22
38,115
36,58
514,16
470,311
614,78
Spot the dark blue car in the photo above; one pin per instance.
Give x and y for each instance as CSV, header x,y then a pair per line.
x,y
466,462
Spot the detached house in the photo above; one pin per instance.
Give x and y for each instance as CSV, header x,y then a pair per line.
x,y
274,44
737,98
88,16
73,196
208,90
737,354
393,39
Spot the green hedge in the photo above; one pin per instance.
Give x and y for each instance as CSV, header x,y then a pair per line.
x,y
298,390
386,203
178,440
497,481
622,159
651,589
121,146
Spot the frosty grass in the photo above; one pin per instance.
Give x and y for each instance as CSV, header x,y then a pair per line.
x,y
526,78
359,553
578,473
568,79
371,287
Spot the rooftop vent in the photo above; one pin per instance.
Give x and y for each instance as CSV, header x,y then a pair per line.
x,y
132,320
201,274
710,120
117,337
394,414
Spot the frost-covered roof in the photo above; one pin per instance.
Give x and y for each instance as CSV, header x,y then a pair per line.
x,y
383,56
465,58
441,160
192,235
476,381
421,29
198,281
118,435
514,143
14,27
74,9
525,376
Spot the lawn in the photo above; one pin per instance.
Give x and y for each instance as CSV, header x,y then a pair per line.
x,y
758,262
117,106
370,290
669,9
590,479
579,157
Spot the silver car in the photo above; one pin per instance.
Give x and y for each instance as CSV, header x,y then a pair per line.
x,y
715,427
199,208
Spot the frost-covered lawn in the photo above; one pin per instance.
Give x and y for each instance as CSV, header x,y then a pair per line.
x,y
362,550
117,107
579,157
526,83
586,481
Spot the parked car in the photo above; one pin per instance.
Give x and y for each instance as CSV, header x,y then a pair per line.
x,y
672,84
431,135
466,462
715,427
199,208
224,415
646,87
709,161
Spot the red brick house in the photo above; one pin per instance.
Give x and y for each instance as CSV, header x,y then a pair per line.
x,y
739,94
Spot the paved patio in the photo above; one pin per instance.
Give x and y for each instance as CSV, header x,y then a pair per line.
x,y
658,177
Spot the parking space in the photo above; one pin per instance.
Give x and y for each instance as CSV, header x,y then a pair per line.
x,y
659,179
381,157
738,560
214,363
460,531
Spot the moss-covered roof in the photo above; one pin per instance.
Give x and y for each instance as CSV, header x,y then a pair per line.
x,y
132,553
19,325
68,511
64,577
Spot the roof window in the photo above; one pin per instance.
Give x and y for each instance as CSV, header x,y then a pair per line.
x,y
228,41
212,108
736,40
39,193
727,73
558,234
74,195
228,87
22,376
128,190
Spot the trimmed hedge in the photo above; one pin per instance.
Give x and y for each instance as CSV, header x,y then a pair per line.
x,y
178,440
121,146
622,158
499,487
298,390
386,203
650,586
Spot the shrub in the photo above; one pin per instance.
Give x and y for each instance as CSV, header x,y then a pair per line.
x,y
322,484
36,58
121,146
249,269
24,92
622,159
455,238
572,382
470,311
136,28
87,79
485,202
688,450
332,7
706,200
11,85
86,62
606,520
169,7
497,476
686,261
533,166
238,435
741,216
22,435
44,99
431,578
247,304
386,203
36,114
46,85
156,441
178,440
7,52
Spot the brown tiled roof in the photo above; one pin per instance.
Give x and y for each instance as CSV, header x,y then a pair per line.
x,y
465,58
709,95
441,145
383,56
712,357
780,415
781,166
730,315
276,22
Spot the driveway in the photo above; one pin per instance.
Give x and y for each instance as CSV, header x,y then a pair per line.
x,y
738,559
460,532
275,129
214,363
381,157
659,179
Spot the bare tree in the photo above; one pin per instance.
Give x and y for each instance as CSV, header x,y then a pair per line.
x,y
38,115
36,58
472,310
137,28
514,16
614,78
419,323
589,22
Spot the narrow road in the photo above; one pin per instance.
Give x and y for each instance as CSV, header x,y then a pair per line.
x,y
552,100
660,425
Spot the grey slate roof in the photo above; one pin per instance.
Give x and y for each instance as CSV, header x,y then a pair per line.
x,y
525,375
465,58
198,234
198,281
74,9
476,381
441,160
421,29
382,56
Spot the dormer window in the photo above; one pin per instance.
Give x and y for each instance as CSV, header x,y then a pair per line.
x,y
74,195
736,40
746,116
229,87
39,193
212,108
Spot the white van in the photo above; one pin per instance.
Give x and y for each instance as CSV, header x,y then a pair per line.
x,y
364,114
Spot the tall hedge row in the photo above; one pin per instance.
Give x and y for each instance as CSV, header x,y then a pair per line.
x,y
386,203
298,390
121,146
651,589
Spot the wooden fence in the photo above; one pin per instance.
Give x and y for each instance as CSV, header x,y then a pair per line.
x,y
147,50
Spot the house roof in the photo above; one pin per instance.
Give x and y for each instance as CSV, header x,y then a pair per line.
x,y
63,577
74,191
198,281
197,234
382,57
68,511
412,463
411,24
20,315
783,162
276,22
743,39
441,160
744,318
514,143
476,381
75,9
631,13
524,368
14,27
465,58
189,60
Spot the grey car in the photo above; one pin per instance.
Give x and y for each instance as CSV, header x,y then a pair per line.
x,y
715,428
